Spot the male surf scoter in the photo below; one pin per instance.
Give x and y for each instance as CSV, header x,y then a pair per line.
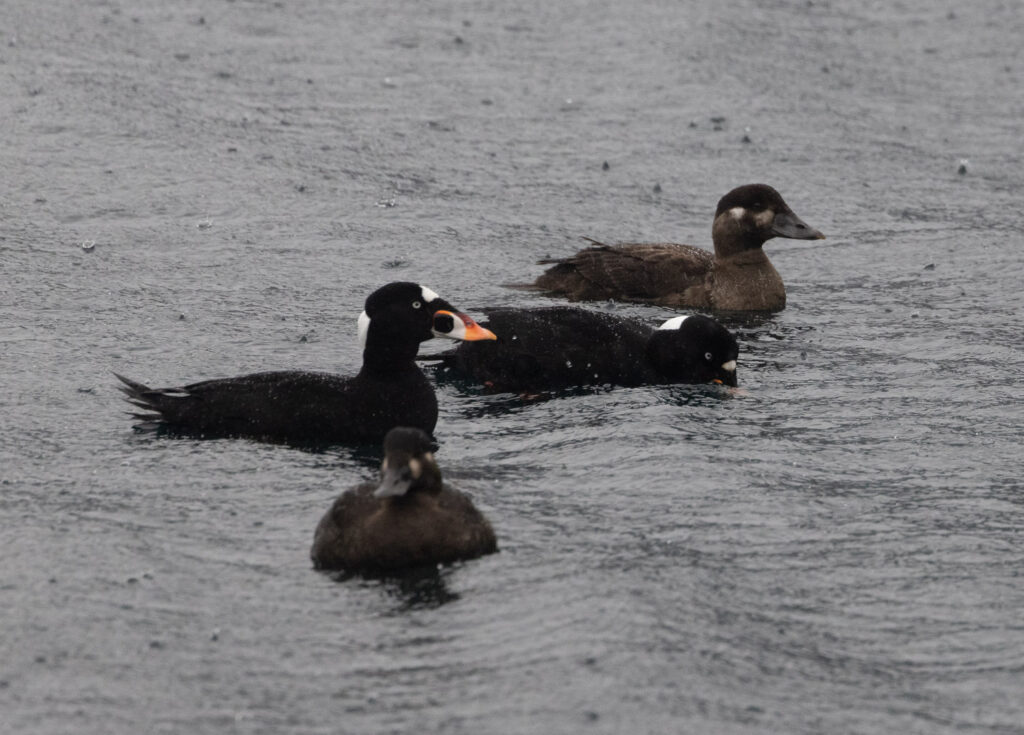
x,y
321,408
408,519
737,277
563,346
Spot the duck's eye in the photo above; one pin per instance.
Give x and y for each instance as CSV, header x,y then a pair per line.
x,y
707,356
416,304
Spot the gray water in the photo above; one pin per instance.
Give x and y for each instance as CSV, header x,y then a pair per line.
x,y
835,548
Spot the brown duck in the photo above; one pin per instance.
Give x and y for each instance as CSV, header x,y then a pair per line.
x,y
409,519
737,277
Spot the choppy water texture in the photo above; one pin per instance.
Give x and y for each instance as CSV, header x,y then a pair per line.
x,y
837,548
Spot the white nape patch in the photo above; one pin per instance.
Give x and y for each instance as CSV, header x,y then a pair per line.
x,y
364,327
675,322
729,367
428,295
738,212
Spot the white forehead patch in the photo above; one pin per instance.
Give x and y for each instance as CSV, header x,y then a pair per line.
x,y
428,295
730,366
364,327
675,322
738,212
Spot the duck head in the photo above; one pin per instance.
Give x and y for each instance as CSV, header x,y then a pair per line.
x,y
750,215
404,310
694,349
408,464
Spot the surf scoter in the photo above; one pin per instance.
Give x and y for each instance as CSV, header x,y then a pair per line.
x,y
564,346
737,277
408,519
321,408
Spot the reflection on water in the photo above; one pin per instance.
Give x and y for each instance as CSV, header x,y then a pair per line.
x,y
419,588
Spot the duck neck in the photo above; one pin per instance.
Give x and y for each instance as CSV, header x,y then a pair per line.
x,y
389,353
731,238
755,258
664,354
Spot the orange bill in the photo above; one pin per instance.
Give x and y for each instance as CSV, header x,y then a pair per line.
x,y
456,325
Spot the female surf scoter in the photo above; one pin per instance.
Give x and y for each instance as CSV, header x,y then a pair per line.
x,y
564,346
408,519
737,277
321,408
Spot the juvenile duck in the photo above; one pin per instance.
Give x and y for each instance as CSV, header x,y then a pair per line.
x,y
737,277
321,408
408,519
563,346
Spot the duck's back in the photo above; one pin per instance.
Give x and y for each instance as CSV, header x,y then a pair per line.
x,y
556,347
666,274
362,533
295,406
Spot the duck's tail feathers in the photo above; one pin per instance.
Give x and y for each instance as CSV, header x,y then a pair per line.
x,y
140,396
132,388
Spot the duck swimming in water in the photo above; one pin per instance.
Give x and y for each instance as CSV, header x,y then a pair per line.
x,y
563,346
737,277
322,408
410,518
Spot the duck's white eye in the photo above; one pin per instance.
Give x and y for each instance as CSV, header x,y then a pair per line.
x,y
416,304
707,356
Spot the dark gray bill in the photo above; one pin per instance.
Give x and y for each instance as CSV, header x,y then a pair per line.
x,y
787,224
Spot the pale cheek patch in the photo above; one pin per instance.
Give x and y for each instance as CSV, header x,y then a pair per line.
x,y
364,327
675,322
428,295
738,212
765,218
415,468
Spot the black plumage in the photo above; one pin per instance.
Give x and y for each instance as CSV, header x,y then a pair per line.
x,y
563,346
322,408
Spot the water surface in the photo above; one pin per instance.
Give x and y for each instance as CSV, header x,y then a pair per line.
x,y
834,548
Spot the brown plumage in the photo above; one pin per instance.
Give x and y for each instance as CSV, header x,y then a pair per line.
x,y
411,518
737,277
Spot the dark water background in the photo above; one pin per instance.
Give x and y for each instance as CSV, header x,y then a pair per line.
x,y
837,549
